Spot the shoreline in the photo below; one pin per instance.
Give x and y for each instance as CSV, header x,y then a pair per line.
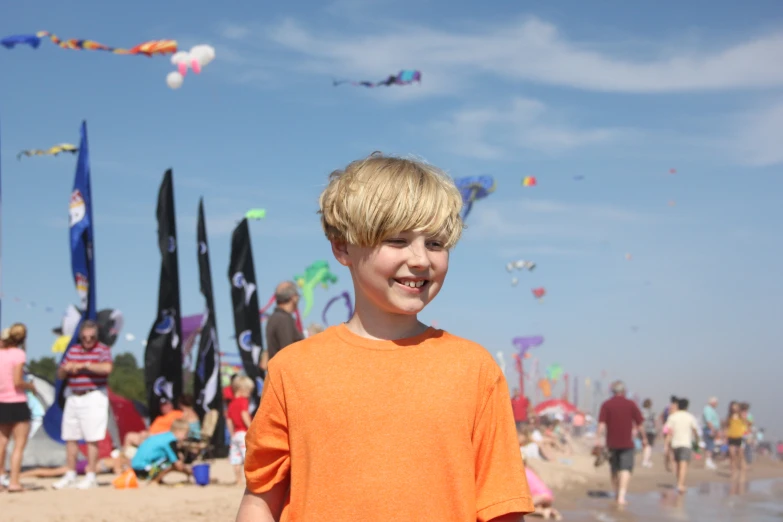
x,y
571,484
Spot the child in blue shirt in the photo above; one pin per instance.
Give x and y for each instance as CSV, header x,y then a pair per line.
x,y
158,454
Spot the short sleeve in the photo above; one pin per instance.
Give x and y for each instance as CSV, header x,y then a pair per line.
x,y
105,354
171,451
602,416
268,458
21,357
637,415
501,486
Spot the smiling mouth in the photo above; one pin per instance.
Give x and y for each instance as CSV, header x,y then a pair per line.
x,y
412,283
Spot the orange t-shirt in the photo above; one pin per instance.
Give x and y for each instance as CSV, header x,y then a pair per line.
x,y
162,423
413,429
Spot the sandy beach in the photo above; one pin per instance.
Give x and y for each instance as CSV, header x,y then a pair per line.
x,y
570,480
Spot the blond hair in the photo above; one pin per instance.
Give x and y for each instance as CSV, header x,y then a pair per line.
x,y
244,383
179,425
379,196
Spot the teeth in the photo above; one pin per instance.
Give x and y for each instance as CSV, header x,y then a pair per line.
x,y
413,284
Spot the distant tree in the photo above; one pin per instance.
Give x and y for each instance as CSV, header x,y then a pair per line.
x,y
45,367
127,379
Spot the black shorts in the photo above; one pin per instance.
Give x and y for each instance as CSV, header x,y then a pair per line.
x,y
682,454
622,459
650,436
735,442
141,474
13,412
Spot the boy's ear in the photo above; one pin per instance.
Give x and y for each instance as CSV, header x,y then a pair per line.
x,y
340,251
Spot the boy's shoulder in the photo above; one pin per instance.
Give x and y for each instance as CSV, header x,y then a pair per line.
x,y
323,344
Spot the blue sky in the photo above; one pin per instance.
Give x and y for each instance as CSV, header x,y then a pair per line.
x,y
615,93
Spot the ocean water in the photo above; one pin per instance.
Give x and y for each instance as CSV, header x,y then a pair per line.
x,y
757,501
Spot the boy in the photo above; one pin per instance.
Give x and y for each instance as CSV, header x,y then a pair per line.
x,y
681,431
383,417
158,454
239,420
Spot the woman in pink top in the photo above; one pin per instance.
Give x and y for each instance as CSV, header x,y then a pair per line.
x,y
14,412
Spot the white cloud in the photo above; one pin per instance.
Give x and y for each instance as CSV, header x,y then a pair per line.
x,y
528,50
492,133
757,141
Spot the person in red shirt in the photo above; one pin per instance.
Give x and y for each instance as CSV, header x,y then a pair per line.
x,y
239,420
617,420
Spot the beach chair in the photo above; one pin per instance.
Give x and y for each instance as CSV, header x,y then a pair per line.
x,y
202,449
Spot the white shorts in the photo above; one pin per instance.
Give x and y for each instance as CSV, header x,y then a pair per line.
x,y
236,452
86,417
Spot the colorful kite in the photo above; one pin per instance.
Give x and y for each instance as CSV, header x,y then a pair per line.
x,y
150,48
53,151
256,213
554,372
316,274
546,387
529,181
196,59
404,77
347,297
524,344
472,189
539,293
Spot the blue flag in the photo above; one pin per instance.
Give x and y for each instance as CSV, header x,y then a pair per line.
x,y
82,264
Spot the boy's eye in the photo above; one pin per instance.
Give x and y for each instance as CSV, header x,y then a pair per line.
x,y
396,241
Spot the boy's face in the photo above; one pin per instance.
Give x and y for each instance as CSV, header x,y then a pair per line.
x,y
180,434
383,275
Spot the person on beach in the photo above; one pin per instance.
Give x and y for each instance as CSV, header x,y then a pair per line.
x,y
736,427
159,454
239,420
649,433
618,418
749,439
14,411
710,430
682,431
86,368
281,330
668,457
384,417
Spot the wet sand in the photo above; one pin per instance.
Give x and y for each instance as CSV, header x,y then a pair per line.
x,y
217,502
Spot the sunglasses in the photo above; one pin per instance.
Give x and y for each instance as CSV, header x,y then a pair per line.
x,y
89,338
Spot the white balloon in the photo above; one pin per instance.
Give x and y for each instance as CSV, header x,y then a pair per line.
x,y
203,54
130,337
180,57
174,80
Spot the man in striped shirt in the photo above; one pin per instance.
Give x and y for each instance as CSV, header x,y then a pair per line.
x,y
85,369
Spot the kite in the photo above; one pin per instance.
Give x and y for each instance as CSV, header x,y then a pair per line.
x,y
196,59
529,181
546,387
628,257
579,178
255,213
472,189
520,264
150,48
524,344
672,171
317,273
348,305
554,372
54,151
404,77
539,293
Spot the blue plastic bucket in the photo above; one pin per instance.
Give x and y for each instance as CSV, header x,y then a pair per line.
x,y
201,474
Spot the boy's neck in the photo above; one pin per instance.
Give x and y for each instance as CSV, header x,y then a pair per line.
x,y
383,326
